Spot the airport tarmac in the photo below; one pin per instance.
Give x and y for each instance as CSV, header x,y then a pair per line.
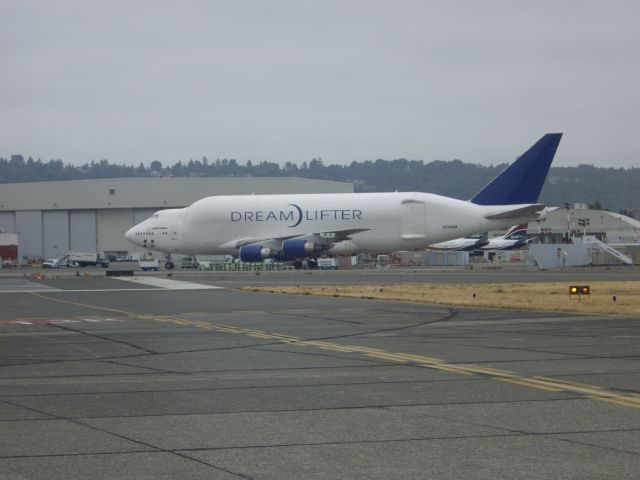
x,y
159,377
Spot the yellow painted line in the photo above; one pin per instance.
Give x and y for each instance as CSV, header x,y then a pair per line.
x,y
489,371
369,350
318,344
421,358
282,335
526,383
386,356
470,369
566,382
257,335
598,391
248,330
543,383
415,358
81,304
444,368
617,401
336,349
630,399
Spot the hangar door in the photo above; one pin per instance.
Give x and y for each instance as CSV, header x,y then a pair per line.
x,y
29,230
55,230
8,222
111,227
82,231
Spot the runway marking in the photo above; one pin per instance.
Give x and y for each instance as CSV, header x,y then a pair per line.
x,y
616,401
57,321
578,384
21,285
86,290
542,383
529,384
168,284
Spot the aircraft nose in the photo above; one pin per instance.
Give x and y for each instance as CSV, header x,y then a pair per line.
x,y
130,234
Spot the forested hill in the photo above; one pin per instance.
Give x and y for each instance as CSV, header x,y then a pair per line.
x,y
612,189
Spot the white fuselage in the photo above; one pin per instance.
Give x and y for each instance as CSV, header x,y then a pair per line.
x,y
463,243
383,222
502,243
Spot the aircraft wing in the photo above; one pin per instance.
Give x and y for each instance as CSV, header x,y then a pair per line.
x,y
330,238
519,212
324,239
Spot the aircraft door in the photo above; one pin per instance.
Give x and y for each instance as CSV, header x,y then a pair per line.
x,y
413,219
175,232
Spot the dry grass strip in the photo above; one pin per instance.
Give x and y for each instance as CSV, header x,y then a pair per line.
x,y
552,296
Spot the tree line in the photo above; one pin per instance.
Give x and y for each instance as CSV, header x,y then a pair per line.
x,y
613,189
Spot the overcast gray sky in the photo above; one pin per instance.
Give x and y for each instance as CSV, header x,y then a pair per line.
x,y
289,80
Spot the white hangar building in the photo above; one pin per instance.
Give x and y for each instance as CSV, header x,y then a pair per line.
x,y
578,220
51,218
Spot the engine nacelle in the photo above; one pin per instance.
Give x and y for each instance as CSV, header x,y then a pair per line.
x,y
254,253
298,248
346,247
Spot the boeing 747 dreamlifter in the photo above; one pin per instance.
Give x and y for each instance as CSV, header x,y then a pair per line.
x,y
257,227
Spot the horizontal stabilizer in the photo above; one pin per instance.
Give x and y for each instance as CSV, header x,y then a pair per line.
x,y
519,212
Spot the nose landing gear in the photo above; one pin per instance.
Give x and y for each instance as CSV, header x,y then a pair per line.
x,y
169,263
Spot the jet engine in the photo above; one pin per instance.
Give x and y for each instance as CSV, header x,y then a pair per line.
x,y
296,248
255,253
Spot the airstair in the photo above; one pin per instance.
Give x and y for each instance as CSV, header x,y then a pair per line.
x,y
594,242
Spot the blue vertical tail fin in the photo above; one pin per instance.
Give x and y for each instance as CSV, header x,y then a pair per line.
x,y
521,182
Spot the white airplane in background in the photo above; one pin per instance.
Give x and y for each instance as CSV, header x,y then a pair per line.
x,y
464,244
257,227
515,238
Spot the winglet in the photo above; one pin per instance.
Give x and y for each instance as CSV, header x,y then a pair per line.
x,y
522,181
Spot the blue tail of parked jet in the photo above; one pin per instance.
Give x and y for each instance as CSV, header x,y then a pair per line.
x,y
522,181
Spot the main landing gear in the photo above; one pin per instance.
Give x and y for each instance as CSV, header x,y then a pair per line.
x,y
305,263
169,263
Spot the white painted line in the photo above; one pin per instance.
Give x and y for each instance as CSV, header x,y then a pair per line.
x,y
22,286
167,284
29,290
80,290
108,290
58,321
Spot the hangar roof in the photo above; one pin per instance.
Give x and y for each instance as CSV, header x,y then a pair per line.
x,y
150,192
599,220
